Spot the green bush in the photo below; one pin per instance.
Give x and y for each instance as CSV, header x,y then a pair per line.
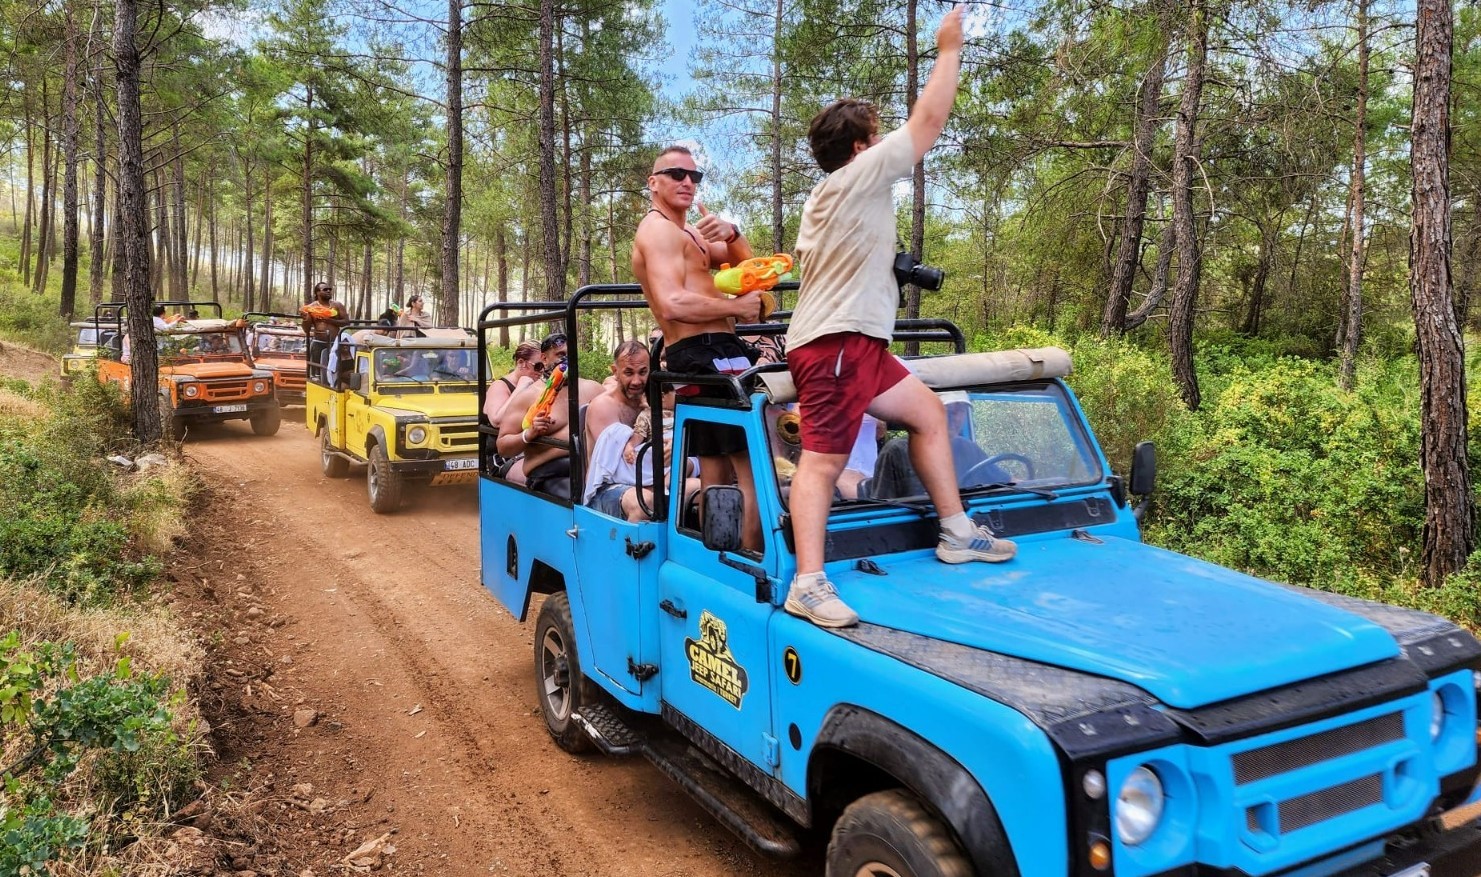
x,y
32,319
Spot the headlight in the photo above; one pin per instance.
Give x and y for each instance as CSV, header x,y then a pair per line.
x,y
1139,806
1437,716
416,435
259,386
191,390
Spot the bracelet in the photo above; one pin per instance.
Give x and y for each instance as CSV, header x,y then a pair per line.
x,y
734,233
524,436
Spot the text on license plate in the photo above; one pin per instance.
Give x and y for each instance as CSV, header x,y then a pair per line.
x,y
454,465
228,409
1420,870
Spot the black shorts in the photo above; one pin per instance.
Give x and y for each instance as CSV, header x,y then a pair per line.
x,y
552,478
712,353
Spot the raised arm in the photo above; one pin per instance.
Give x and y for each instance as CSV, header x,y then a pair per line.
x,y
933,106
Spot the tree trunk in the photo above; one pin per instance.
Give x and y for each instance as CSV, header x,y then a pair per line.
x,y
200,229
778,220
119,290
180,224
69,160
452,216
96,256
308,197
555,281
918,175
248,286
501,253
1352,317
1138,186
215,252
264,290
144,368
48,196
30,191
1448,534
1190,255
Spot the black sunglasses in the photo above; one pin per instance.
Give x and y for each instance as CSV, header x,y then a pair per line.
x,y
537,365
677,174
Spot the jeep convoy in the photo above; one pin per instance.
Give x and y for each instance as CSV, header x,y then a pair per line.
x,y
205,374
1094,707
403,404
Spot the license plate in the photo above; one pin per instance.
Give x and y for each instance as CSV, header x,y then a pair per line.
x,y
455,465
442,479
1420,870
228,409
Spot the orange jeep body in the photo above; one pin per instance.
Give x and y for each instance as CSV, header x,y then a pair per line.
x,y
277,344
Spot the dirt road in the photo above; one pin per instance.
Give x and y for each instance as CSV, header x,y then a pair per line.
x,y
374,685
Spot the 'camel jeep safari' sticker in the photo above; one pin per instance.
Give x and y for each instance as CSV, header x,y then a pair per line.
x,y
710,661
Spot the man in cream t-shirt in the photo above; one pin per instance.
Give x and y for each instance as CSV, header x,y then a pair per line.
x,y
839,337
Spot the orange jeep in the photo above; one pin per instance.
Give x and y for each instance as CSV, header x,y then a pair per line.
x,y
276,343
205,374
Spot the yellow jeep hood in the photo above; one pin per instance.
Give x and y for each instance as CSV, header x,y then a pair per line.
x,y
432,404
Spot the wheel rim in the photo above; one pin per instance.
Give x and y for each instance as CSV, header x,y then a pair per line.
x,y
876,869
324,456
373,478
555,674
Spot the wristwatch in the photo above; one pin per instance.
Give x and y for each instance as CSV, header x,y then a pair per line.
x,y
734,233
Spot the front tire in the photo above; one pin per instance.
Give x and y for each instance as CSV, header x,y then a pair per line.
x,y
383,485
267,421
559,683
331,463
892,834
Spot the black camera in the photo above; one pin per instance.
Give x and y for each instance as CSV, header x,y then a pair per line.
x,y
909,269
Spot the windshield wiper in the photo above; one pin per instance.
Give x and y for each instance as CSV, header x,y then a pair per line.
x,y
1012,485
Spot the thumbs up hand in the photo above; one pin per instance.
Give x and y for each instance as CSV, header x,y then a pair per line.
x,y
715,229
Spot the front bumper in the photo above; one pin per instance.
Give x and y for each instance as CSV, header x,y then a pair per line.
x,y
436,471
207,413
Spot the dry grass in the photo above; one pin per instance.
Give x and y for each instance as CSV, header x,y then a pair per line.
x,y
12,405
156,501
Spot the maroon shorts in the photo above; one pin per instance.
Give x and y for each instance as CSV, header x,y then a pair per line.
x,y
837,376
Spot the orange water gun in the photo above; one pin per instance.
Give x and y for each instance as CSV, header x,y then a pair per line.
x,y
759,273
317,311
542,406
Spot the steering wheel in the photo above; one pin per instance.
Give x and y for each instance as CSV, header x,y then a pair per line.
x,y
969,476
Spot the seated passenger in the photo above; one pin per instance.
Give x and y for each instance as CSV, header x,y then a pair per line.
x,y
612,476
527,367
545,443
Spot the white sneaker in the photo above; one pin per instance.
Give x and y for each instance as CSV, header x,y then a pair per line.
x,y
982,546
818,602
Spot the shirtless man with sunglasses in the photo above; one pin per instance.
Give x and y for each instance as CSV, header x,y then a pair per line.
x,y
672,259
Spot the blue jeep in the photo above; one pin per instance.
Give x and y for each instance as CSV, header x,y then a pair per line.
x,y
1096,706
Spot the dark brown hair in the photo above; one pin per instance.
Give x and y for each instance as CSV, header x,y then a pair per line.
x,y
526,350
836,128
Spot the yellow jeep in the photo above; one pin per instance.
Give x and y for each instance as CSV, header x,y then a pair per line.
x,y
89,335
405,406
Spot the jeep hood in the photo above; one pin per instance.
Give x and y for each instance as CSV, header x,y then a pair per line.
x,y
208,370
1188,632
432,405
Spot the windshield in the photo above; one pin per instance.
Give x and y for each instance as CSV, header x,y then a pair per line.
x,y
272,344
423,366
201,344
1022,438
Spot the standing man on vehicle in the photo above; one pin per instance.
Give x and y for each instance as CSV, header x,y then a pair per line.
x,y
322,319
673,260
839,337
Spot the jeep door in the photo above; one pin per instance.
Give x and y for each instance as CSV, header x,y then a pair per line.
x,y
713,628
357,420
618,565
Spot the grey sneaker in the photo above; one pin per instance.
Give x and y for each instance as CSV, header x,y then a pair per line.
x,y
981,546
819,604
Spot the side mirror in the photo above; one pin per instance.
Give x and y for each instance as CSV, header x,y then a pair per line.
x,y
352,380
720,510
1143,469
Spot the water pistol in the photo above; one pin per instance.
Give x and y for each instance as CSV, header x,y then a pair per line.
x,y
542,406
759,273
317,311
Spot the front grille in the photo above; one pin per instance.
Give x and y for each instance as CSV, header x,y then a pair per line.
x,y
1308,810
455,439
287,380
225,391
1258,764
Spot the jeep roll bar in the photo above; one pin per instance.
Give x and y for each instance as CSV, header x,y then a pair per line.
x,y
314,369
584,299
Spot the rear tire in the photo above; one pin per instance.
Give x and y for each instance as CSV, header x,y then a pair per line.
x,y
383,485
892,834
267,421
559,683
331,463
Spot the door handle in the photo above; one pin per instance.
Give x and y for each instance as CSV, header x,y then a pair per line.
x,y
574,532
